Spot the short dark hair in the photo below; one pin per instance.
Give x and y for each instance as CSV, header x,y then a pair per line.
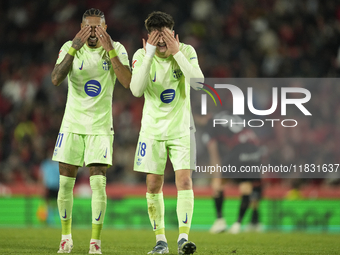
x,y
93,13
157,20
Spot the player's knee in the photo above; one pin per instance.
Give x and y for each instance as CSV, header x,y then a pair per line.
x,y
154,187
98,184
66,184
154,183
184,183
98,169
245,188
68,170
217,185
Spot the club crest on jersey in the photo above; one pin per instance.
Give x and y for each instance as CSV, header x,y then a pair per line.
x,y
168,96
92,88
106,65
177,73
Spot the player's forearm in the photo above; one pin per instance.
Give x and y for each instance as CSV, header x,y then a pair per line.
x,y
122,72
188,70
140,79
60,71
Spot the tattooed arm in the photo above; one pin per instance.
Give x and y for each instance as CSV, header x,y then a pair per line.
x,y
61,70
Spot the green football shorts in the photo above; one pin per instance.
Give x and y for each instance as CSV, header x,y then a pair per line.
x,y
75,149
151,155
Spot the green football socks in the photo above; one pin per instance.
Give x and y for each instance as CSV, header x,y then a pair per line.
x,y
156,212
96,231
65,203
99,201
185,208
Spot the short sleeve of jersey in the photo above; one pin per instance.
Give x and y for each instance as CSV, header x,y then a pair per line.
x,y
137,60
191,55
63,51
121,53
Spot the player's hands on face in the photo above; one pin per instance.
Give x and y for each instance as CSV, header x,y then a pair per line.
x,y
172,43
153,38
81,37
104,38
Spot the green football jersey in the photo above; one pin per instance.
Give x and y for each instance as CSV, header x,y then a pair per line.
x,y
91,81
167,110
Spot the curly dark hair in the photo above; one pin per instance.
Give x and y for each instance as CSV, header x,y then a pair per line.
x,y
157,20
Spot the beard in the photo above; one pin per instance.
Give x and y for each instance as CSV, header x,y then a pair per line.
x,y
92,42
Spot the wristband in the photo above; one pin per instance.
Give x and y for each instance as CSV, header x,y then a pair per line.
x,y
112,53
150,50
72,51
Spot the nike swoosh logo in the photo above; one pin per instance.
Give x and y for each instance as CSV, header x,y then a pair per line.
x,y
81,68
154,79
64,215
186,219
105,153
98,216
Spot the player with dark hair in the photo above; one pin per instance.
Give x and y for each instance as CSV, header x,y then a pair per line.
x,y
162,72
92,62
234,146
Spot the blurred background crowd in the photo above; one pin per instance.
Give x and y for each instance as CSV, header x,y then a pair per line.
x,y
233,38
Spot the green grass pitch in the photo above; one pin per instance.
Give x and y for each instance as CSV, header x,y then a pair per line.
x,y
46,241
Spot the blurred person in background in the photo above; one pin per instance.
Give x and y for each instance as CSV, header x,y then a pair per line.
x,y
92,62
251,194
50,177
236,146
162,72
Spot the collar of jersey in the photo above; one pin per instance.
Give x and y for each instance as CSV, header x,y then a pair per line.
x,y
93,49
164,59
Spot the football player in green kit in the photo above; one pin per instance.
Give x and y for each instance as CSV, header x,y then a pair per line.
x,y
162,72
91,62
